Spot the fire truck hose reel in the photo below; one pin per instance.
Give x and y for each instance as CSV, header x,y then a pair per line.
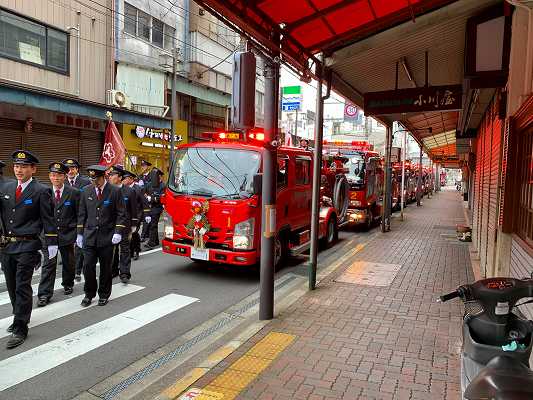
x,y
341,196
270,221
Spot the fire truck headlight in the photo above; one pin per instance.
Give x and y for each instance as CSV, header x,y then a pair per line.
x,y
355,203
243,237
168,226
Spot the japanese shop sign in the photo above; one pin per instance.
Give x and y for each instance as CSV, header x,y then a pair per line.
x,y
432,98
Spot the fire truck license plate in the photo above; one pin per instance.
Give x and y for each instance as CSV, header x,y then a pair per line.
x,y
200,254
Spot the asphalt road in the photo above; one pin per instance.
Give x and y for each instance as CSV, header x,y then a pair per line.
x,y
70,349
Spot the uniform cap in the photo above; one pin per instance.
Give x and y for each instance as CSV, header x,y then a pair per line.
x,y
24,157
129,174
159,172
71,162
144,162
58,167
96,170
117,169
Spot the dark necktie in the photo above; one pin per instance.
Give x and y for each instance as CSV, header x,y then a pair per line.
x,y
18,193
72,182
98,194
58,196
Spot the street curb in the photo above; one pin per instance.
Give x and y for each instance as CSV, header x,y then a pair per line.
x,y
206,365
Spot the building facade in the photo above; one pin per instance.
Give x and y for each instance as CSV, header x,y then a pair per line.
x,y
56,67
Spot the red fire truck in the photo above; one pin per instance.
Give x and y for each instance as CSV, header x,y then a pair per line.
x,y
365,177
213,201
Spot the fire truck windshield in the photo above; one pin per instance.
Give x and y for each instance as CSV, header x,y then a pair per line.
x,y
214,172
356,168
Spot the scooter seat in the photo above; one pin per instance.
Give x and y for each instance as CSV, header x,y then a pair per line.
x,y
503,378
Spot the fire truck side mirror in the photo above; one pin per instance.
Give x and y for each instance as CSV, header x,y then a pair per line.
x,y
258,184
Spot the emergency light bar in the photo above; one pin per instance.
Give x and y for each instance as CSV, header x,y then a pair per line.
x,y
235,136
354,145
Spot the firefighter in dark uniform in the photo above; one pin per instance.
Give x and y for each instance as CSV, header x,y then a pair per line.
x,y
144,182
26,210
101,223
154,193
122,256
66,202
143,213
79,182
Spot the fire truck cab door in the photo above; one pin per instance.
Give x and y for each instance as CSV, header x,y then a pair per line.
x,y
283,196
301,192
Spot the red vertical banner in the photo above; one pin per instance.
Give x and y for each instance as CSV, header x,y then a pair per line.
x,y
114,150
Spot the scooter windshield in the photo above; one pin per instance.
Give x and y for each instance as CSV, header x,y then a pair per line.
x,y
214,172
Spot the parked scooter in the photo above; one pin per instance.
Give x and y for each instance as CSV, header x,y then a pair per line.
x,y
497,339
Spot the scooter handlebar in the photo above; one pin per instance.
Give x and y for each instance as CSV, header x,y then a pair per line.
x,y
449,296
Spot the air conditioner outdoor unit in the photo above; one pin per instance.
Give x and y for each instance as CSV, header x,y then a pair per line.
x,y
118,99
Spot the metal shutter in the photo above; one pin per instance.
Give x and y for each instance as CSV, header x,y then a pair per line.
x,y
11,137
494,190
477,186
51,143
91,146
487,139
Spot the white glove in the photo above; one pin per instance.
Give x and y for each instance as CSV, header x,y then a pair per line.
x,y
79,241
203,231
116,239
147,219
52,251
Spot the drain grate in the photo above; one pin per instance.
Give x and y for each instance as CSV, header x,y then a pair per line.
x,y
184,347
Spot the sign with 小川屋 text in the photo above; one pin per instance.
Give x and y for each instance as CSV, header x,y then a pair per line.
x,y
424,99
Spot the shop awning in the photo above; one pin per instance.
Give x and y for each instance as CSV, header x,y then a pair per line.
x,y
308,27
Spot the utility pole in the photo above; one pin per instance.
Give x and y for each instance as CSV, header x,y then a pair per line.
x,y
174,109
385,213
317,172
268,237
419,193
404,156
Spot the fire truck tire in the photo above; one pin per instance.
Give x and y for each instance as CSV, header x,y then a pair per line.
x,y
281,248
341,194
332,232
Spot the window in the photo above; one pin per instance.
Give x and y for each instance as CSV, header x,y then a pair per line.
x,y
303,170
130,19
143,30
143,25
157,32
283,172
168,38
33,43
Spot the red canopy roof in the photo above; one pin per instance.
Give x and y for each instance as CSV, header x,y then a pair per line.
x,y
311,26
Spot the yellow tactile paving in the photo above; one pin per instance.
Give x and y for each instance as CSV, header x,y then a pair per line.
x,y
243,371
224,393
253,365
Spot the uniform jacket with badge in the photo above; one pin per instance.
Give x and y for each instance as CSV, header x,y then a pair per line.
x,y
154,194
26,218
132,207
143,206
66,215
80,182
98,220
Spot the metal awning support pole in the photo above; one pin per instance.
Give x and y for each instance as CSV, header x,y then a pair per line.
x,y
385,212
419,193
317,171
404,156
268,237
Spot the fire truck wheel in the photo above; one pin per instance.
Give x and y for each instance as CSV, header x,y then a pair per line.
x,y
332,234
281,249
370,220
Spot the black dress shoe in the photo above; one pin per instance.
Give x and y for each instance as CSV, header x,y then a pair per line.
x,y
86,302
43,301
15,340
77,278
10,328
103,302
124,279
68,290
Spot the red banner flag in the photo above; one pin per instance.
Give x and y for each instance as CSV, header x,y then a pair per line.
x,y
114,150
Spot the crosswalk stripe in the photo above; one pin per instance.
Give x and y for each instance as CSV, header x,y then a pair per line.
x,y
4,296
26,365
66,307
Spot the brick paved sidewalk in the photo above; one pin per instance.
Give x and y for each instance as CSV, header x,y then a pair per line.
x,y
368,342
